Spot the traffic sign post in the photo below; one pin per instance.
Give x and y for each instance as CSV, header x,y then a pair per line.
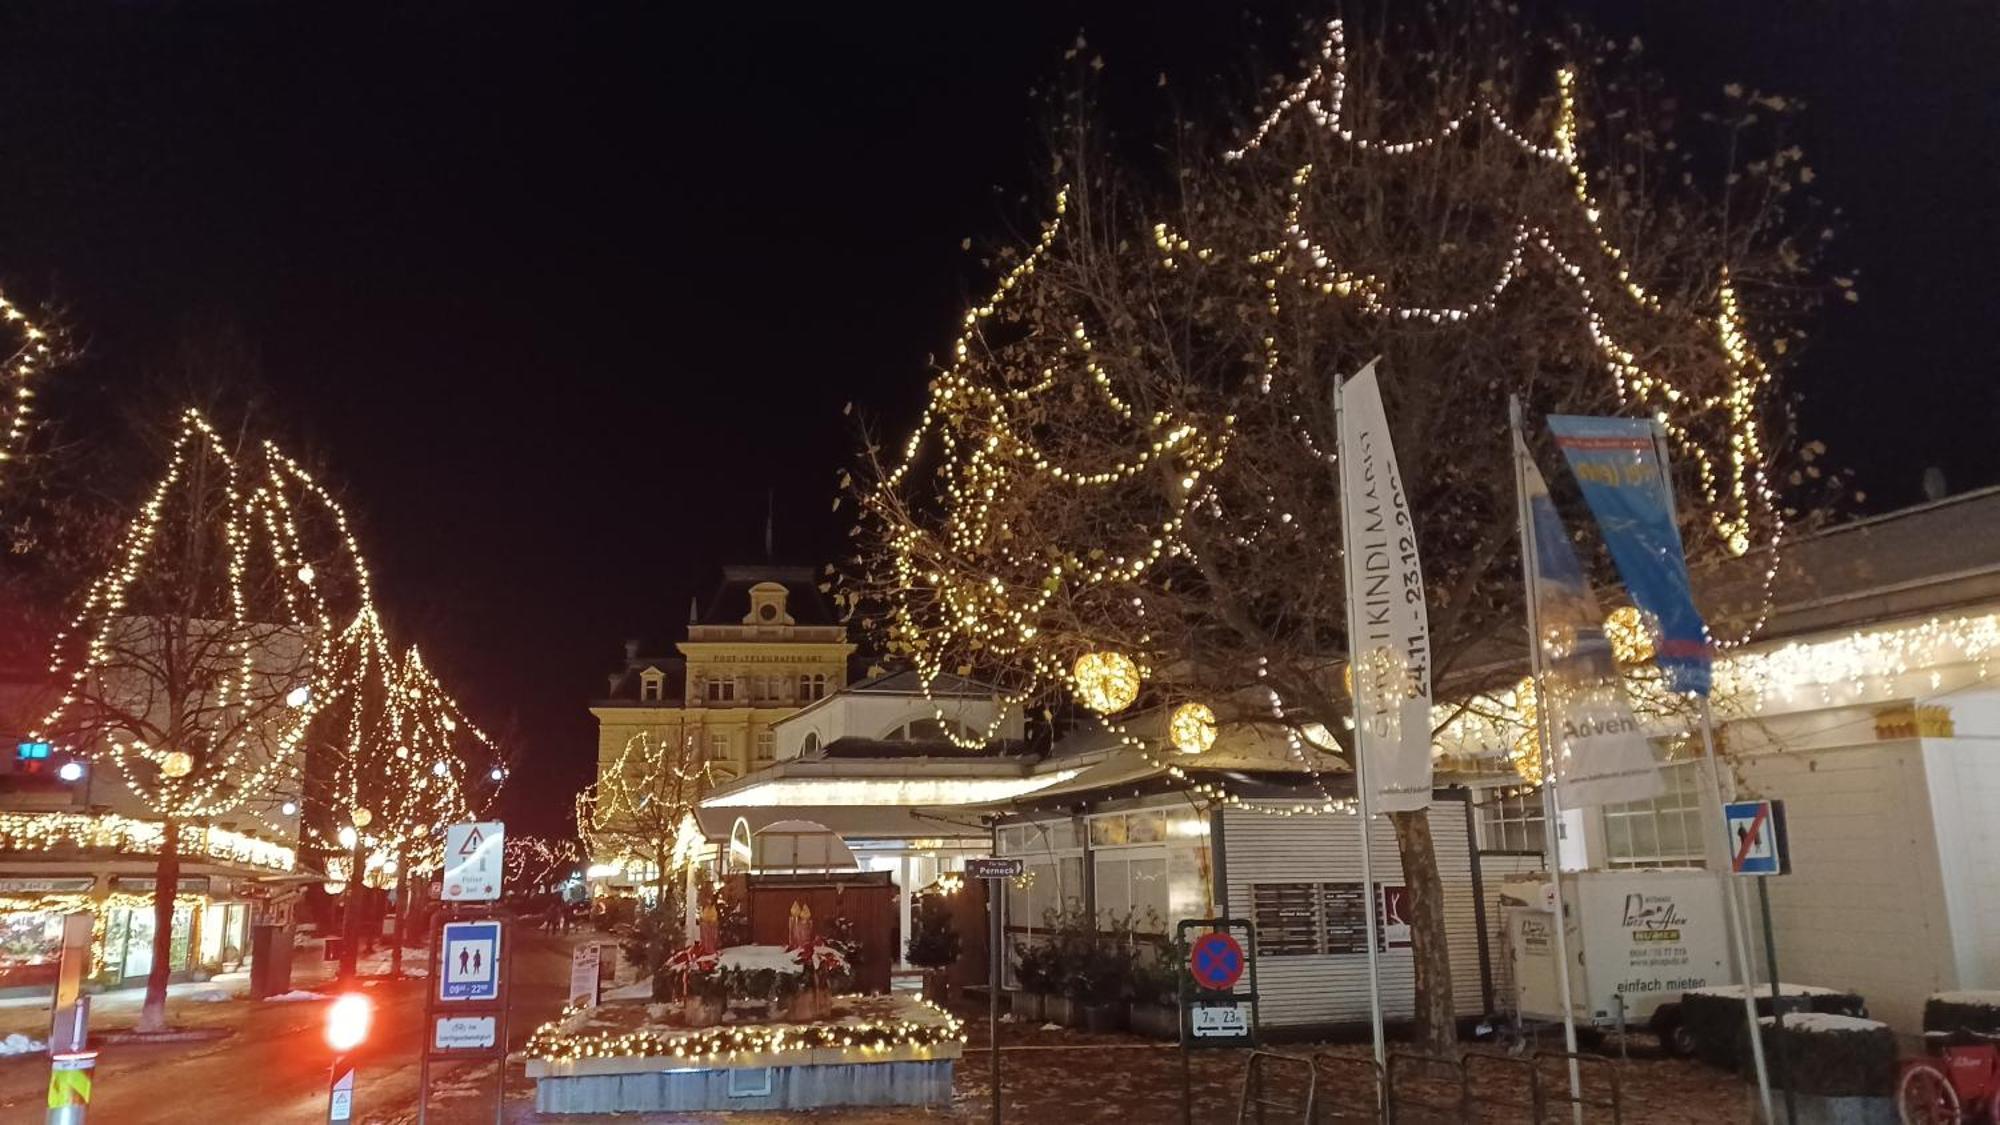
x,y
471,960
1759,846
994,869
1217,991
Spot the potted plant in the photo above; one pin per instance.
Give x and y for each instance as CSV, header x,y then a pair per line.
x,y
1100,987
934,947
1155,1008
1034,971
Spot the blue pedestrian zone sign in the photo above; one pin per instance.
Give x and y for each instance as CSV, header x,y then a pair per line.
x,y
469,961
1757,843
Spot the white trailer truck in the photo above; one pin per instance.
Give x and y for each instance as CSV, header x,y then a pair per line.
x,y
1637,940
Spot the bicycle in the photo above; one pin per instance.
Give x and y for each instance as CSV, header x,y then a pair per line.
x,y
1957,1081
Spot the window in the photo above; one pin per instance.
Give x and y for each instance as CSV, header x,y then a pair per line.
x,y
767,744
931,730
721,690
810,745
718,747
813,686
1665,831
651,683
1510,820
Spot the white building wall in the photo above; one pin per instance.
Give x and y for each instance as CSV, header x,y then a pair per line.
x,y
1325,989
1964,776
1865,906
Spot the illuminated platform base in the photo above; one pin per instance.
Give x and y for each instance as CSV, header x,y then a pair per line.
x,y
788,1080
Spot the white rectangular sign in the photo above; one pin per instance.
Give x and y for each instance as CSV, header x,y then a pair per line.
x,y
1389,641
462,1033
1226,1020
474,861
583,975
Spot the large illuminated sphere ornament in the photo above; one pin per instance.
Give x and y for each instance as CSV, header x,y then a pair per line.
x,y
177,763
1631,639
362,817
1192,728
1106,682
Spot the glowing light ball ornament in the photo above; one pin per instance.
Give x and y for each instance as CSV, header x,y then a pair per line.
x,y
362,817
1192,728
1631,639
1106,682
177,763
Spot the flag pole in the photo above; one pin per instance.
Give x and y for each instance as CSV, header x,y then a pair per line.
x,y
1361,796
1733,910
1551,797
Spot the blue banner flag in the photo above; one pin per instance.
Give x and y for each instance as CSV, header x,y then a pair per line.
x,y
1600,755
1625,484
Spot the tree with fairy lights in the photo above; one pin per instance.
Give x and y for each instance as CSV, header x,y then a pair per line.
x,y
1123,487
639,816
390,762
199,658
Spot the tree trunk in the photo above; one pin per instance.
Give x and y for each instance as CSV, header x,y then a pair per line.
x,y
350,922
402,914
166,884
1436,1016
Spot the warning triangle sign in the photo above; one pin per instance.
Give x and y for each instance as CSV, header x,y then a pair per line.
x,y
472,841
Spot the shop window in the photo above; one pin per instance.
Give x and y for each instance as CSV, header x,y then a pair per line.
x,y
1510,820
1662,832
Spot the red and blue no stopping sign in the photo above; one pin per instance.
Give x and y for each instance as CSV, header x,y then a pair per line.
x,y
1216,961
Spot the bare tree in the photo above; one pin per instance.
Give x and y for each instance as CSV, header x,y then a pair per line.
x,y
638,813
1130,448
192,669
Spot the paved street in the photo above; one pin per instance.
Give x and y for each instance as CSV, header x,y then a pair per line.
x,y
272,1069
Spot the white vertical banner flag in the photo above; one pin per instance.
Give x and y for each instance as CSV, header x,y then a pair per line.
x,y
1389,642
1601,756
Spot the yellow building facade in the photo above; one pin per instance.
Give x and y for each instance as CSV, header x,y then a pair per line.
x,y
765,645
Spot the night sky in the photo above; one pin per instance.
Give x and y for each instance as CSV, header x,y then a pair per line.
x,y
561,292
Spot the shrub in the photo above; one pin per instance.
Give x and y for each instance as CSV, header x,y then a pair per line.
x,y
1831,1055
934,942
1962,1011
1035,966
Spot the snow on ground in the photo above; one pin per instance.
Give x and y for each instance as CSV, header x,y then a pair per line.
x,y
1735,991
294,996
638,990
750,958
1824,1021
21,1045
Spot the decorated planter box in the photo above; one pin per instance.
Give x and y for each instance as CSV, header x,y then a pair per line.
x,y
632,1058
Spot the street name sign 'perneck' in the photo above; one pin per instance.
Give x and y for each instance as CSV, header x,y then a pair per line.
x,y
474,861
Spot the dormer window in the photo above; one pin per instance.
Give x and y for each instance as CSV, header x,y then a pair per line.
x,y
652,686
767,605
